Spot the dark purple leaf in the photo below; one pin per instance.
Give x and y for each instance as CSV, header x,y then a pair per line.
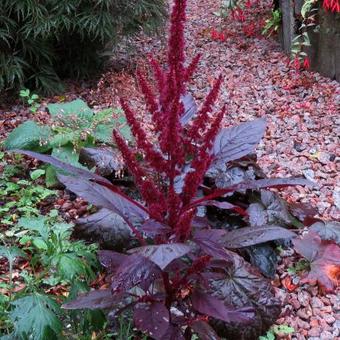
x,y
238,141
105,227
111,259
209,242
190,108
103,197
134,270
95,299
257,215
263,256
204,330
106,160
152,318
225,205
72,170
324,258
276,208
254,185
200,222
173,333
327,230
249,236
304,213
152,228
212,306
162,254
239,284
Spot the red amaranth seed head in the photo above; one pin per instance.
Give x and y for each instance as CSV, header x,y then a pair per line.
x,y
170,145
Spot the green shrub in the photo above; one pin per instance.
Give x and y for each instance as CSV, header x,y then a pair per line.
x,y
73,126
43,41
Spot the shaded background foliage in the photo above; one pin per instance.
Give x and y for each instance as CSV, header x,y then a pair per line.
x,y
42,42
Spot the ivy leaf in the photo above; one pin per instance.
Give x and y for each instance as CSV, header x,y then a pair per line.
x,y
324,258
163,254
327,230
35,316
152,318
240,285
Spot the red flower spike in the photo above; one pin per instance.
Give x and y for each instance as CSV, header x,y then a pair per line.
x,y
200,122
192,67
306,63
153,157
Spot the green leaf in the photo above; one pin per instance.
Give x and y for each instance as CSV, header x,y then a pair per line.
x,y
69,266
39,243
35,317
77,107
61,139
29,136
37,224
24,93
37,173
11,253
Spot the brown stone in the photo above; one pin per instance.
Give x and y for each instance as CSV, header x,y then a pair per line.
x,y
315,331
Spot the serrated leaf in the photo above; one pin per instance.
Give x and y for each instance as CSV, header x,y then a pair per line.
x,y
37,173
11,253
324,258
35,316
327,230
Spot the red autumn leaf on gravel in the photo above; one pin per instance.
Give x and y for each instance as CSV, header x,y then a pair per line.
x,y
324,258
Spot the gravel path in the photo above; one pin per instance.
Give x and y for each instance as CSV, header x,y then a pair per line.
x,y
302,111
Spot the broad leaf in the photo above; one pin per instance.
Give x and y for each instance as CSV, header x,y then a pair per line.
x,y
327,230
35,316
263,256
106,228
249,236
254,185
324,258
238,141
225,205
204,330
152,318
163,254
76,108
173,333
29,136
103,197
111,259
11,253
210,243
240,285
95,299
152,228
212,306
72,170
304,213
106,160
257,215
134,270
190,108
